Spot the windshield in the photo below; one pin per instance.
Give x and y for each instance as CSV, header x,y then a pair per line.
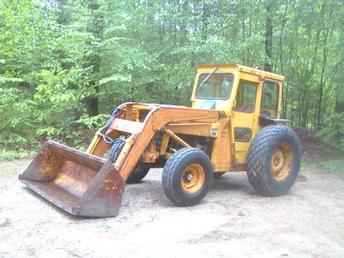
x,y
214,86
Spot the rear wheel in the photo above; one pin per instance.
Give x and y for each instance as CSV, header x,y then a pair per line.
x,y
140,171
273,161
187,176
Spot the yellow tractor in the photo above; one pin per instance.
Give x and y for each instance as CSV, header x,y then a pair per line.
x,y
233,125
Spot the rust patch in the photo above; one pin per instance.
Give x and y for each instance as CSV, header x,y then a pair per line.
x,y
79,183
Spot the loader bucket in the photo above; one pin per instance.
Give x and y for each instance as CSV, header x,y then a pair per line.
x,y
78,183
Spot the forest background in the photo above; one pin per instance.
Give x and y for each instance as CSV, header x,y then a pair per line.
x,y
64,64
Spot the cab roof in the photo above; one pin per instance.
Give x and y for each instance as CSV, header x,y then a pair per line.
x,y
245,69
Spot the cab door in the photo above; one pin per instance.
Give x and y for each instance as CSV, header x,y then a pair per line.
x,y
271,99
245,117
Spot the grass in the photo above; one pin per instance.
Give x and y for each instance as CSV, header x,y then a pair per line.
x,y
9,154
15,154
333,165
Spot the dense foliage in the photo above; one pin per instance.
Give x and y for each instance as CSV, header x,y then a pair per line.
x,y
64,64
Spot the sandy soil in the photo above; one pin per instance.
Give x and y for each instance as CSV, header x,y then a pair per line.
x,y
232,221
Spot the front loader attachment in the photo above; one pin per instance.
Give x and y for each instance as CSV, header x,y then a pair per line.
x,y
84,184
78,183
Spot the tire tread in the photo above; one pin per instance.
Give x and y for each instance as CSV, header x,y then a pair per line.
x,y
259,159
169,176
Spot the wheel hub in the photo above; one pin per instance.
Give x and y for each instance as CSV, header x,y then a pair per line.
x,y
281,162
188,177
193,178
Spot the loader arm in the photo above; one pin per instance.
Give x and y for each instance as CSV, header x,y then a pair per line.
x,y
142,133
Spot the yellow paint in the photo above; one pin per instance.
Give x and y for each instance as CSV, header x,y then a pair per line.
x,y
96,139
281,162
237,118
164,144
193,178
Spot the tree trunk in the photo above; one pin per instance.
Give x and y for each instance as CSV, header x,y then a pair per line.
x,y
95,27
322,84
205,22
268,37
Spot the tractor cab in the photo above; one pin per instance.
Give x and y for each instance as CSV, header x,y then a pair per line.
x,y
237,88
252,98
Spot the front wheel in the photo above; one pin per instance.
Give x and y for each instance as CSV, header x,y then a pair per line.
x,y
273,161
187,176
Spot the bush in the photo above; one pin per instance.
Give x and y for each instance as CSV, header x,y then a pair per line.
x,y
333,131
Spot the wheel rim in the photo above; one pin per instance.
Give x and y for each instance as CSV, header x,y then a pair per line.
x,y
193,178
281,162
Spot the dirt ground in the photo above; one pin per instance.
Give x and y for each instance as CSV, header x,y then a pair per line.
x,y
232,221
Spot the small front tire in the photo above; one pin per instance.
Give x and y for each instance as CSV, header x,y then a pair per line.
x,y
187,176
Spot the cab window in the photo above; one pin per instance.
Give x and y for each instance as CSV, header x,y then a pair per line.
x,y
270,96
246,97
217,86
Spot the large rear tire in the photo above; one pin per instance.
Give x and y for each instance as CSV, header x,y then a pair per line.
x,y
187,176
273,161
